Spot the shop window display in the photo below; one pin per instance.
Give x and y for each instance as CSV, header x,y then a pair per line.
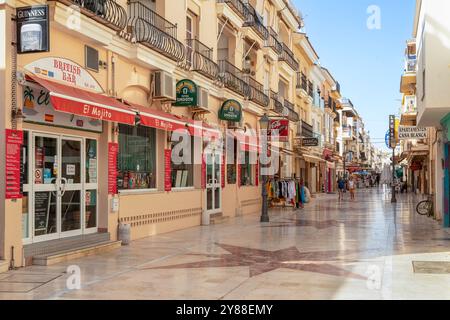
x,y
137,158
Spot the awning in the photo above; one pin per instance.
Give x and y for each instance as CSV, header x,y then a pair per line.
x,y
313,159
166,121
85,103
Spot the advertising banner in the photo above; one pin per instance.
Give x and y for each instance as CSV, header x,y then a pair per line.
x,y
14,140
113,149
33,32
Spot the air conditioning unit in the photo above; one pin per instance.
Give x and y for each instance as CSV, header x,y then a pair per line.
x,y
202,98
164,86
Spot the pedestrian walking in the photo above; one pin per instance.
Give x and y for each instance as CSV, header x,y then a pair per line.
x,y
351,187
341,187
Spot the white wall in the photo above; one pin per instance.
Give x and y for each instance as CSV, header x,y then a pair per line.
x,y
433,52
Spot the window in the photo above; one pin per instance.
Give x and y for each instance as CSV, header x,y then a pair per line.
x,y
91,161
137,157
246,171
183,167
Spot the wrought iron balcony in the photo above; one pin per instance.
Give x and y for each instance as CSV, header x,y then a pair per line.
x,y
233,78
302,82
288,56
256,92
154,31
255,21
238,7
106,12
310,89
307,130
290,109
276,104
199,58
273,42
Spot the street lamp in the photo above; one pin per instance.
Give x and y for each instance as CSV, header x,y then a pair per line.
x,y
264,126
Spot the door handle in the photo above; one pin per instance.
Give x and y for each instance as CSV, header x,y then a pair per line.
x,y
63,186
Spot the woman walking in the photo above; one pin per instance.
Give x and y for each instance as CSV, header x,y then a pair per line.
x,y
351,187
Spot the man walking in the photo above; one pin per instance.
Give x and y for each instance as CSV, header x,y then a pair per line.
x,y
341,187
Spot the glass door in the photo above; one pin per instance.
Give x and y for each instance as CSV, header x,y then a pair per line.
x,y
46,187
71,185
213,183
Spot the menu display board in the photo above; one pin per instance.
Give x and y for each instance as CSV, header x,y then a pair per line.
x,y
168,170
222,170
113,149
43,208
14,140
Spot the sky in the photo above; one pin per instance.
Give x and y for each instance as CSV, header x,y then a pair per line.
x,y
367,63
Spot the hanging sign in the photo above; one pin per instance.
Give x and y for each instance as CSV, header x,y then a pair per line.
x,y
167,170
310,142
33,29
14,140
411,133
65,71
278,129
113,149
231,110
186,94
392,137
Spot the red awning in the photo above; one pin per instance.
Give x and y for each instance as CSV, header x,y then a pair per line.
x,y
85,103
166,121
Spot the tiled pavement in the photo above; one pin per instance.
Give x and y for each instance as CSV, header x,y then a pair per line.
x,y
329,250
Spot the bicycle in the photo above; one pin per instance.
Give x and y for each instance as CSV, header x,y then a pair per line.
x,y
425,207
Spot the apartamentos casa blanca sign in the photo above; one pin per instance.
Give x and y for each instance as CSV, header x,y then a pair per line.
x,y
186,93
411,133
33,32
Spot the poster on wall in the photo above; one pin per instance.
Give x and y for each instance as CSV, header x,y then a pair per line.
x,y
33,32
113,149
38,108
14,140
167,170
279,129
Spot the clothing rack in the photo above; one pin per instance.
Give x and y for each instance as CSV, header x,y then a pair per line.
x,y
286,192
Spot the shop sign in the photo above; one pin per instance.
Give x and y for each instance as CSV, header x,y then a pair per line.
x,y
279,129
65,71
310,142
38,108
33,32
186,94
113,150
231,110
14,140
392,134
167,170
412,133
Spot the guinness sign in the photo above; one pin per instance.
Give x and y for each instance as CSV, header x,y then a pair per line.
x,y
32,29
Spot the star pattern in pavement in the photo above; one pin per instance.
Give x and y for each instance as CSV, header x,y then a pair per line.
x,y
262,261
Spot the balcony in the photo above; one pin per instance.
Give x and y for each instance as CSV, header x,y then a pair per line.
x,y
289,108
199,58
238,7
284,108
276,104
232,78
273,42
288,56
153,31
256,92
408,80
106,12
302,85
255,21
310,89
307,130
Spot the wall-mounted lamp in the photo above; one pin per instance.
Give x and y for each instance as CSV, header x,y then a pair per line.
x,y
17,114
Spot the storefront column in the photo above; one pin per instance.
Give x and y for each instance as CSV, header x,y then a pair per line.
x,y
10,210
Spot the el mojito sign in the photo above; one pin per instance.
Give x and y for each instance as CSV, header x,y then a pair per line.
x,y
231,110
186,94
412,133
32,29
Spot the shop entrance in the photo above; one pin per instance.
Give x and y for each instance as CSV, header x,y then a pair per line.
x,y
62,186
213,183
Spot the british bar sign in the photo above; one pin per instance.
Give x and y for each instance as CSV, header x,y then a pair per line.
x,y
412,133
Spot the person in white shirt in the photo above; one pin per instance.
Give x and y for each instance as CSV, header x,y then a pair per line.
x,y
351,187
